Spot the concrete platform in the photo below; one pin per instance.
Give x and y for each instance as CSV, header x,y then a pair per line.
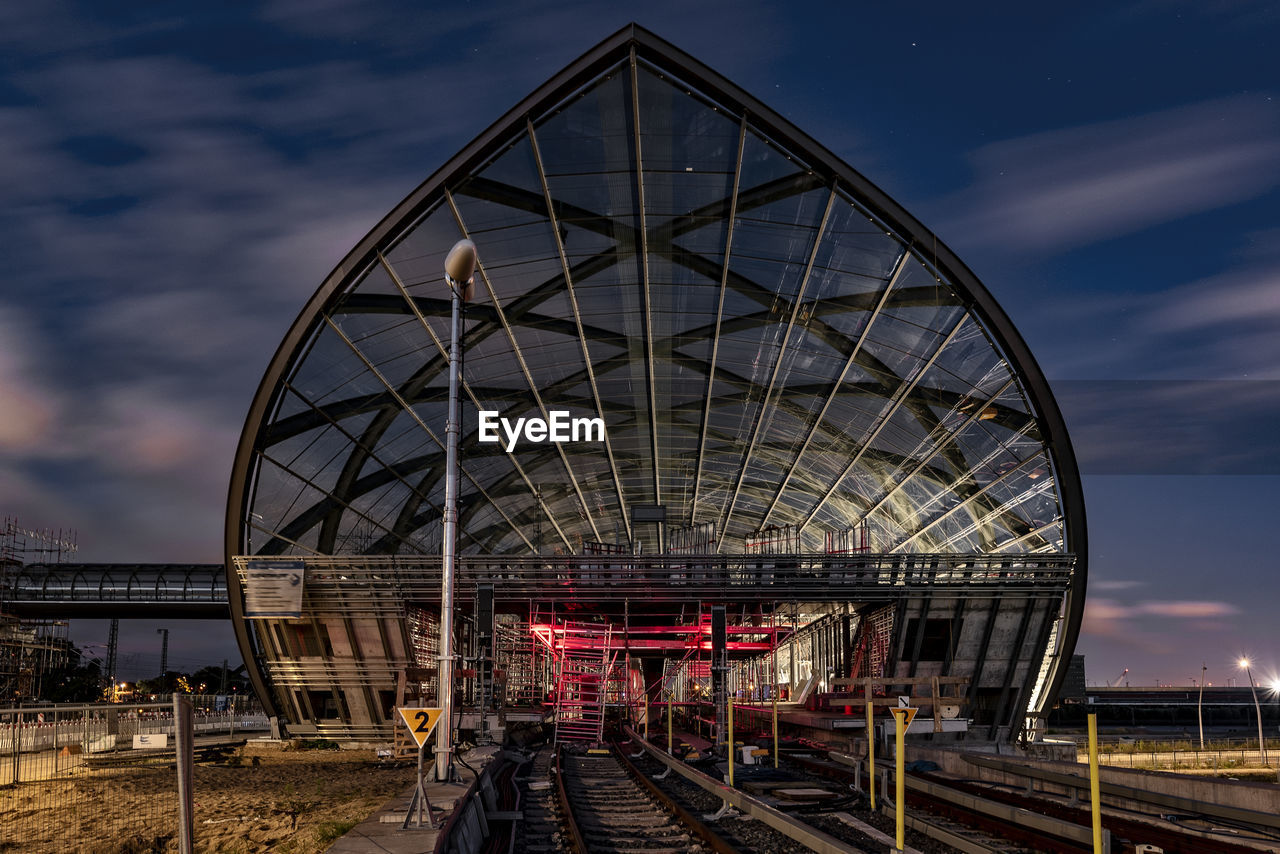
x,y
381,833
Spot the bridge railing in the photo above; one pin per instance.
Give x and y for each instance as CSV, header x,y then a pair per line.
x,y
353,585
116,583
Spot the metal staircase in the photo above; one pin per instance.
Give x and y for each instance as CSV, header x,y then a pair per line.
x,y
582,678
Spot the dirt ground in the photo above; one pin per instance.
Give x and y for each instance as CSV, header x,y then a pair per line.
x,y
292,801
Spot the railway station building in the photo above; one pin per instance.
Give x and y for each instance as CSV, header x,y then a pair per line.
x,y
734,422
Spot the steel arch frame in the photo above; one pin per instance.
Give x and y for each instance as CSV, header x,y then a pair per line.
x,y
636,42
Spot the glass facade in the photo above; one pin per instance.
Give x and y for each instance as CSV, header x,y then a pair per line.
x,y
769,341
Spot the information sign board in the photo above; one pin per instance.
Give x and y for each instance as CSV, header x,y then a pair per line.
x,y
273,588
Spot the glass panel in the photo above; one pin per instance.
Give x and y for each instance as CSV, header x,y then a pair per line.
x,y
418,256
278,497
784,343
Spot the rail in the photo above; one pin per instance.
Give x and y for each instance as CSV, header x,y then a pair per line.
x,y
805,834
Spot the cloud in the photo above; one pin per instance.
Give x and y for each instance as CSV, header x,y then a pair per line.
x,y
145,428
1101,611
1131,625
28,407
1114,585
1221,326
1185,609
1247,297
1080,185
1176,427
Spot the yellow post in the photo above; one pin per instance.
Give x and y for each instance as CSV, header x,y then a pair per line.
x,y
773,619
1093,784
671,749
731,742
900,780
871,754
775,724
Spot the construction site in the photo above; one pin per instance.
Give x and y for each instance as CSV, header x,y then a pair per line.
x,y
31,648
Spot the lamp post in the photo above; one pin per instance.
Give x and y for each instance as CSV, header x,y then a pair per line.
x,y
459,273
164,653
1200,703
1262,745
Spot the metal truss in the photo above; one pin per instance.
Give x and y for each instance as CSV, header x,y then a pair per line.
x,y
743,479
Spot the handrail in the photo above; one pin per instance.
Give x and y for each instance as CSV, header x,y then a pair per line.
x,y
352,584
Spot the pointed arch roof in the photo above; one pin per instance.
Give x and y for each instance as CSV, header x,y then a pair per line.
x,y
770,339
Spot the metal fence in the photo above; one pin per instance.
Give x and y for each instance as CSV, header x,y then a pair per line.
x,y
1220,756
100,778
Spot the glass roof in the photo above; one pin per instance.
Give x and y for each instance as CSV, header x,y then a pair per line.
x,y
764,350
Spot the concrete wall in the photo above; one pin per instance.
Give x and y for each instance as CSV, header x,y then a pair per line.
x,y
1259,797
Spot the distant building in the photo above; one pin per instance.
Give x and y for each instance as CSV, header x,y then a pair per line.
x,y
1073,687
1166,706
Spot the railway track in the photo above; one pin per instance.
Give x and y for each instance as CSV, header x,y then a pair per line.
x,y
963,826
1126,832
540,830
606,810
1042,824
603,794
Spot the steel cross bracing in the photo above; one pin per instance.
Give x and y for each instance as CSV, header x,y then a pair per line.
x,y
424,461
524,369
967,478
577,320
497,490
647,317
838,385
715,335
893,404
659,241
323,511
766,401
373,481
439,463
726,376
408,513
347,481
930,447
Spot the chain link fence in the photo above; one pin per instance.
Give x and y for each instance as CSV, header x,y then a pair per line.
x,y
1182,754
102,778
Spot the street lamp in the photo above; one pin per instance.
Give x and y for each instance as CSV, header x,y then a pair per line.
x,y
1200,703
164,653
459,273
1262,745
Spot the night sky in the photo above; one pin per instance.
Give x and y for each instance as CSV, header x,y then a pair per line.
x,y
175,184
